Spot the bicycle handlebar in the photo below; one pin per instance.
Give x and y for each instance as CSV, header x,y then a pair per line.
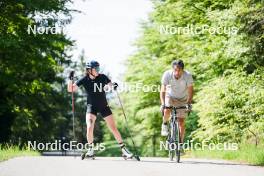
x,y
177,107
180,107
186,107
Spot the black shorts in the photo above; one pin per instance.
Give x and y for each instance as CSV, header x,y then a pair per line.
x,y
104,110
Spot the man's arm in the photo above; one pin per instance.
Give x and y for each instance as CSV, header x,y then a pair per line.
x,y
164,83
162,94
190,94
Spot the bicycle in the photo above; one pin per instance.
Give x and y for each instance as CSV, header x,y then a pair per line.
x,y
173,137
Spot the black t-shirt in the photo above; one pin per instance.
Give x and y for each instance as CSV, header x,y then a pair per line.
x,y
95,89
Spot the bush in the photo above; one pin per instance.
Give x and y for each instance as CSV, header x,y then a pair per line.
x,y
228,106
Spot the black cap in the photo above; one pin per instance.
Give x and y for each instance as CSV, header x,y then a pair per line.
x,y
178,63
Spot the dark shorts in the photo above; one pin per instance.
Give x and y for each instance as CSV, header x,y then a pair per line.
x,y
104,110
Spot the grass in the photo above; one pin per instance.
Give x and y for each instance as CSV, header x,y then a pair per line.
x,y
8,152
247,153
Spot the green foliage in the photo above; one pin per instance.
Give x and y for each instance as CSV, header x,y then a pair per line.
x,y
227,69
33,100
149,123
228,105
246,153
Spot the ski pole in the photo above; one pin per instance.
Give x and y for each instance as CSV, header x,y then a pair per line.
x,y
127,127
72,97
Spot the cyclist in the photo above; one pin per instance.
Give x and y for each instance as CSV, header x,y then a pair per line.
x,y
176,90
97,103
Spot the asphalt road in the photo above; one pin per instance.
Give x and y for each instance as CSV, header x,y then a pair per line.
x,y
106,166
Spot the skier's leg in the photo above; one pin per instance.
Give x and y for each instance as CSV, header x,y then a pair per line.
x,y
90,121
112,126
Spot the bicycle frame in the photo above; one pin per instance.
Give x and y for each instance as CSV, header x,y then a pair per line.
x,y
174,134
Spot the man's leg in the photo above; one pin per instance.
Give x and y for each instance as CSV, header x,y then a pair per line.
x,y
90,121
182,128
164,126
181,115
166,115
112,126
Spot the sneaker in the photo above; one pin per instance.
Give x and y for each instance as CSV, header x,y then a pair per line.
x,y
164,130
126,153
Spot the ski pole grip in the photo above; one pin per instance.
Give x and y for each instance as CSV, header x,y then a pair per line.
x,y
71,75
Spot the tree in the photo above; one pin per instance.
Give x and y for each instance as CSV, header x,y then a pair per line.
x,y
32,105
226,66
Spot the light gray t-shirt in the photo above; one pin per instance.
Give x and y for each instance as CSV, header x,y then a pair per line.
x,y
177,88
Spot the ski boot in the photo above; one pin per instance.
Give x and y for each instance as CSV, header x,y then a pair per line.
x,y
88,154
126,154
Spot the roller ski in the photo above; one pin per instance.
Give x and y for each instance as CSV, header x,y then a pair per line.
x,y
126,154
89,154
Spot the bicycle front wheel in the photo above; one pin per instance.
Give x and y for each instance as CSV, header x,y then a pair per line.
x,y
171,141
178,142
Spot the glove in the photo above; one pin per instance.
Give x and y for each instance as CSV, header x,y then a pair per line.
x,y
71,75
115,85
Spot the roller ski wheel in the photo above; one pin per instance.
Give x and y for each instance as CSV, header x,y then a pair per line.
x,y
136,157
125,158
131,157
83,156
87,155
91,157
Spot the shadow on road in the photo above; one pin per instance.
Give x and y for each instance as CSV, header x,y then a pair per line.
x,y
156,160
215,163
193,162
